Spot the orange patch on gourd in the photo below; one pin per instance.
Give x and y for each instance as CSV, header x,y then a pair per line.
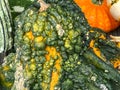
x,y
30,35
52,53
96,50
116,63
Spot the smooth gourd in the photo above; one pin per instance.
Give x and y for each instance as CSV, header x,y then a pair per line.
x,y
114,7
5,26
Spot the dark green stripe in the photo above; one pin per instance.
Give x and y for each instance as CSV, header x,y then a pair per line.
x,y
3,32
4,27
9,15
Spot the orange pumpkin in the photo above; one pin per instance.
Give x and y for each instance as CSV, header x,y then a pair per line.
x,y
98,14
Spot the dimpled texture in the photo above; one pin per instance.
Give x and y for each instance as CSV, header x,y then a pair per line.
x,y
56,49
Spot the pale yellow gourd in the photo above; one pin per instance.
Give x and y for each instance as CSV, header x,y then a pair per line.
x,y
114,6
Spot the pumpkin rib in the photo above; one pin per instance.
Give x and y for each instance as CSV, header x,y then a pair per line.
x,y
111,19
99,12
98,17
89,14
95,17
104,21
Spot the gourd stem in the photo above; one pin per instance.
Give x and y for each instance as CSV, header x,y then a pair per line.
x,y
115,38
98,2
43,5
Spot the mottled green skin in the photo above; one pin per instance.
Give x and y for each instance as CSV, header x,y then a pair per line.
x,y
8,74
81,69
47,21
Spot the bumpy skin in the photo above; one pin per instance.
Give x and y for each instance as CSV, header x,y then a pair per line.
x,y
56,49
7,70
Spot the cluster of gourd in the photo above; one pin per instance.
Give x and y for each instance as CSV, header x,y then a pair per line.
x,y
57,49
100,13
